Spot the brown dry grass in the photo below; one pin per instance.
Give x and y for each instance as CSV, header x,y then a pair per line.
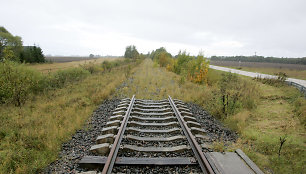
x,y
62,59
157,83
51,67
31,135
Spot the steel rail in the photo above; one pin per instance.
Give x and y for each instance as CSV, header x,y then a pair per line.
x,y
196,148
108,167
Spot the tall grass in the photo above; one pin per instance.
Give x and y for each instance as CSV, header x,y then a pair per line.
x,y
62,77
71,63
18,82
236,94
31,135
280,112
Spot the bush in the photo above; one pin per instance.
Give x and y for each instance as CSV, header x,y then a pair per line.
x,y
198,72
61,77
277,82
91,67
17,82
236,93
164,59
193,68
181,64
213,76
107,66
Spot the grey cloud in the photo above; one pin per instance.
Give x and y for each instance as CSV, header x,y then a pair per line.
x,y
272,28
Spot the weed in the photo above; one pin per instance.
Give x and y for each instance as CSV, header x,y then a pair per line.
x,y
219,146
182,80
282,140
107,66
90,67
127,71
236,94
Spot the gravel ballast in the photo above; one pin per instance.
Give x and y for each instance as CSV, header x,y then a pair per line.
x,y
213,127
80,143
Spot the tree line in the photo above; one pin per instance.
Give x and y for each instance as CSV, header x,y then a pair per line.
x,y
11,48
301,61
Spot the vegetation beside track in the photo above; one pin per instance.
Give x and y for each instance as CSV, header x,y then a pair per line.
x,y
56,105
280,113
261,115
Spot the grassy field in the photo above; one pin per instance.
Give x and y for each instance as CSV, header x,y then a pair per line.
x,y
279,113
31,135
62,59
51,67
292,70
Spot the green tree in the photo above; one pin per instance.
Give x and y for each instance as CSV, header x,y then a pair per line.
x,y
9,44
32,54
155,54
161,56
8,54
131,52
182,61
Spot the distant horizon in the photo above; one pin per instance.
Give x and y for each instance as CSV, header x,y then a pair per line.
x,y
49,55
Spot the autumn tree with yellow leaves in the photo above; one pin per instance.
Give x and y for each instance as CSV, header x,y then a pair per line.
x,y
194,68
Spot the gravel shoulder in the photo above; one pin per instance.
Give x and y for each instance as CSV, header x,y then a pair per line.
x,y
215,129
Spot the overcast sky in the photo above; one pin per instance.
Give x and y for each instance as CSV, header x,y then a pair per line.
x,y
106,27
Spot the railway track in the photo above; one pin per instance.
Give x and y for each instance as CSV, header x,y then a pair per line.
x,y
147,133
